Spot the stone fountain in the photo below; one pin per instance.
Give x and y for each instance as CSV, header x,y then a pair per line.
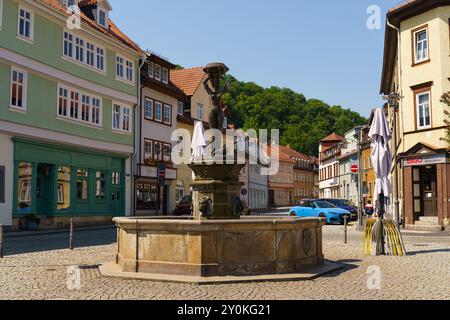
x,y
221,246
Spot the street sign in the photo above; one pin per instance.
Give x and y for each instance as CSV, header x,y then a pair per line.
x,y
354,169
162,170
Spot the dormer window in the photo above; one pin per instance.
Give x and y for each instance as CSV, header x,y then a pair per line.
x,y
102,17
69,3
101,13
165,75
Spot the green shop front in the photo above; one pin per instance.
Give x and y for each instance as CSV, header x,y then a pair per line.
x,y
54,183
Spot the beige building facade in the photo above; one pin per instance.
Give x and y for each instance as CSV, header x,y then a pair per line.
x,y
416,67
196,107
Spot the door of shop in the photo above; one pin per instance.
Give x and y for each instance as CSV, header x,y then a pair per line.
x,y
116,201
425,192
44,187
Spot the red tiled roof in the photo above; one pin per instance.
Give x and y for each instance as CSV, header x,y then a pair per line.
x,y
332,138
188,80
293,154
282,156
113,31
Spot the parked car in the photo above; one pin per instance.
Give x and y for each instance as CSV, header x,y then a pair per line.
x,y
346,205
321,209
184,207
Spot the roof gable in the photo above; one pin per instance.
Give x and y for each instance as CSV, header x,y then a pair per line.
x,y
188,80
333,138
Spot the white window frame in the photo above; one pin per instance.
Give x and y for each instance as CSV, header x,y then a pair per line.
x,y
149,142
90,54
148,100
84,63
167,159
121,118
157,75
151,66
169,107
162,111
23,37
103,58
416,43
99,12
124,77
24,90
79,119
129,70
200,107
165,75
418,95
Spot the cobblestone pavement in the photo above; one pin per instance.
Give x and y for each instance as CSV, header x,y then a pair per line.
x,y
35,267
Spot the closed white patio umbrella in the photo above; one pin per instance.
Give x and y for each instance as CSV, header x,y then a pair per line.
x,y
381,158
198,142
382,232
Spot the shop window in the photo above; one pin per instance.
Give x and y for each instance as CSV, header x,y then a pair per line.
x,y
2,184
100,185
25,171
147,196
64,182
82,184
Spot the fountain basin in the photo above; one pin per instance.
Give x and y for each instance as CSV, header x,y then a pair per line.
x,y
217,248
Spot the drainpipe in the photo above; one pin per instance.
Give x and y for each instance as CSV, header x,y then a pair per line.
x,y
137,135
399,74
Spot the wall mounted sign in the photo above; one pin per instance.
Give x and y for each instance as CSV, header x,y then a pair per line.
x,y
425,160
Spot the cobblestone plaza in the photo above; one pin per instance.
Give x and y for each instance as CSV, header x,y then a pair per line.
x,y
36,267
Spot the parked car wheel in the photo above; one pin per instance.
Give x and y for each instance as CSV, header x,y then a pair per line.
x,y
293,214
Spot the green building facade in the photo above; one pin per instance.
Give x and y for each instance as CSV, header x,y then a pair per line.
x,y
68,94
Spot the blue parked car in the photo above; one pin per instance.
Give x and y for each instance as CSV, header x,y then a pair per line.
x,y
321,209
344,204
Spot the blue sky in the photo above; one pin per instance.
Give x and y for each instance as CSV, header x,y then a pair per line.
x,y
320,48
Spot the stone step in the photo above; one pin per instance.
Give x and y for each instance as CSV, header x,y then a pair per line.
x,y
429,228
427,223
429,219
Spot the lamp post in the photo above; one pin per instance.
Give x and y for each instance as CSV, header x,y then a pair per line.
x,y
394,103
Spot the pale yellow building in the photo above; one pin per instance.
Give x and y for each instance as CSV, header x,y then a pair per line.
x,y
417,67
196,108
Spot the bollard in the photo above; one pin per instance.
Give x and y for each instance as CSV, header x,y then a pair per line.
x,y
345,230
71,235
1,241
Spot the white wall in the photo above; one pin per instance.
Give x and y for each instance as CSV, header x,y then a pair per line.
x,y
6,160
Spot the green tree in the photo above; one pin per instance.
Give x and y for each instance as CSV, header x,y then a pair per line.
x,y
302,123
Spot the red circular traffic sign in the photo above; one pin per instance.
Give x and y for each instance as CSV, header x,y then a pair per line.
x,y
355,169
